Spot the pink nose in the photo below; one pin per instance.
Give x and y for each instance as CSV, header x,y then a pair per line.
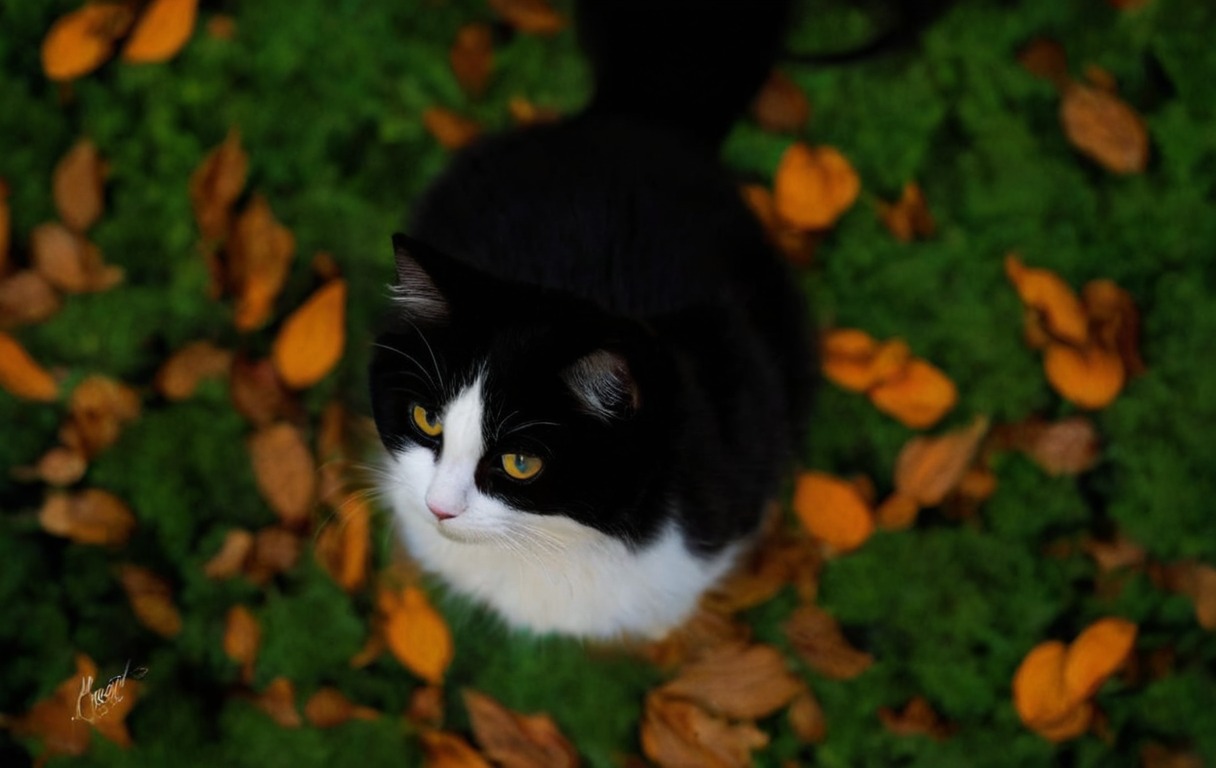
x,y
440,512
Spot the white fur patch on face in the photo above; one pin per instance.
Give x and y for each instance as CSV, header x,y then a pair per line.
x,y
546,573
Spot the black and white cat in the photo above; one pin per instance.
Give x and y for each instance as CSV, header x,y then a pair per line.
x,y
596,369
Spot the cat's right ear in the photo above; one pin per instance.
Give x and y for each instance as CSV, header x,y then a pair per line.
x,y
416,293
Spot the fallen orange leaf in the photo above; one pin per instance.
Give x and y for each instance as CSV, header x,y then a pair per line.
x,y
69,262
814,186
807,718
1066,447
217,183
1074,723
472,57
23,377
1039,695
447,750
916,718
260,252
416,633
450,129
1090,377
1046,293
815,635
311,341
426,706
162,30
679,734
918,396
275,550
77,186
1104,128
343,546
897,512
1096,654
928,468
180,375
62,466
285,471
533,16
52,719
99,408
781,106
1115,321
233,554
242,639
853,360
1046,59
512,739
798,247
329,707
279,702
737,681
27,297
258,393
92,516
832,510
82,40
151,599
908,218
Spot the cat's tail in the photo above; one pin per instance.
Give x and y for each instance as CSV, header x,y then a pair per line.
x,y
691,65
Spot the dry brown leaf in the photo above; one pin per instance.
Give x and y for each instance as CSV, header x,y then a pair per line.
x,y
26,297
1090,377
23,377
533,16
1066,447
329,707
897,512
781,106
151,600
916,718
1046,59
69,262
279,702
1159,756
814,186
162,30
312,339
703,632
426,706
1198,582
472,57
908,218
782,557
928,468
92,516
679,734
216,184
1104,128
832,510
52,719
344,545
275,550
80,41
285,471
181,374
450,129
99,408
1116,554
740,682
415,633
514,740
918,396
258,394
61,466
242,639
807,718
817,638
260,251
1114,321
447,750
1096,654
232,556
77,186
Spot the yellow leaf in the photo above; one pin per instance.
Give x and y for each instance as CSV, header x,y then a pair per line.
x,y
1096,654
23,377
312,339
82,40
162,31
814,186
416,633
918,396
832,510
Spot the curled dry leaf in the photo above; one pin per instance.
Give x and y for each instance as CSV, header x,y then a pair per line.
x,y
928,468
79,42
232,556
258,393
738,681
279,702
1047,294
285,471
854,360
514,740
807,718
472,57
275,550
908,218
916,718
533,16
1104,128
242,639
99,408
814,186
702,633
312,339
797,246
77,186
447,750
260,252
92,516
450,129
679,734
781,106
832,510
27,297
1046,59
1090,377
1066,447
69,262
151,600
817,638
1114,321
918,396
23,377
329,707
1095,655
162,30
61,466
344,544
181,374
415,633
216,184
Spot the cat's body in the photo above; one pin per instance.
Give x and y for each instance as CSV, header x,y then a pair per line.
x,y
595,376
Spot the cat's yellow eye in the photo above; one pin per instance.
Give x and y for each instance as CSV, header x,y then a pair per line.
x,y
427,422
521,466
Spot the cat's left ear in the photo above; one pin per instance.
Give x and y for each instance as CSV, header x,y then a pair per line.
x,y
416,292
604,385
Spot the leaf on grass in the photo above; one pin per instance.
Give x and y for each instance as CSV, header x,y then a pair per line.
x,y
1096,654
258,394
472,57
447,750
415,633
738,681
1104,128
329,707
781,106
928,468
917,718
798,247
279,702
908,218
1054,300
1115,554
814,186
23,377
897,512
702,633
426,706
52,719
817,638
514,740
807,718
69,262
242,639
92,516
275,550
1066,447
679,734
854,360
216,184
918,396
1114,322
783,556
163,29
312,339
61,466
151,599
77,186
1039,695
343,546
533,16
80,41
450,129
1090,377
1045,59
1198,582
232,556
285,471
99,407
180,375
260,250
832,511
27,297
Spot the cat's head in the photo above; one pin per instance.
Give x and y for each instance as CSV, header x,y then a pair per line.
x,y
504,406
